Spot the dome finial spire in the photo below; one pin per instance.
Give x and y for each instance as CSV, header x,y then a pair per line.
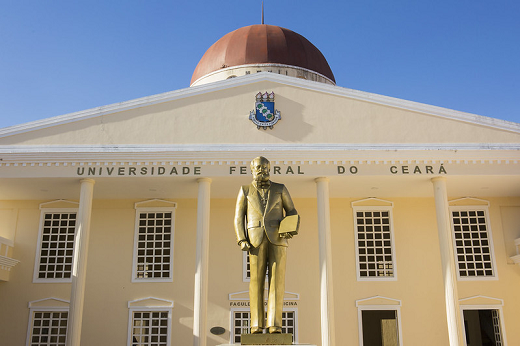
x,y
262,12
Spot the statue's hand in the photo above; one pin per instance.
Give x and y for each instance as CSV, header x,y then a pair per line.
x,y
286,235
245,245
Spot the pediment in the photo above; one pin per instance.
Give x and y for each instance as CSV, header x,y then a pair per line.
x,y
377,300
155,203
311,113
467,201
59,204
244,295
49,303
480,300
372,202
150,302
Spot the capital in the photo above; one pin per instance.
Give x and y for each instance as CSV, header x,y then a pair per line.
x,y
436,179
87,180
322,179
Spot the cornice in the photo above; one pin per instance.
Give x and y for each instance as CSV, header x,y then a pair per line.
x,y
282,147
255,78
227,154
236,67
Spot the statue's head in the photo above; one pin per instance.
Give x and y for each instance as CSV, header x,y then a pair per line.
x,y
260,167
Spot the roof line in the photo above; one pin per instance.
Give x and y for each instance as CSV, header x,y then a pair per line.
x,y
260,147
317,153
254,78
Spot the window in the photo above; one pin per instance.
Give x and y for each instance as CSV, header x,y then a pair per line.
x,y
374,242
49,328
153,245
472,242
56,245
240,323
246,268
150,322
48,322
150,328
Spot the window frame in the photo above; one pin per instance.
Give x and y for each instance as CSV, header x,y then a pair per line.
x,y
162,306
138,210
37,259
34,307
393,304
245,278
373,208
491,246
484,307
245,309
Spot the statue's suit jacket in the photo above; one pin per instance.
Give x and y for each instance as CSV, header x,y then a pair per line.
x,y
259,222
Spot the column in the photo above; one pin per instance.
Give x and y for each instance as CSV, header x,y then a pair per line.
x,y
200,305
448,262
79,268
324,237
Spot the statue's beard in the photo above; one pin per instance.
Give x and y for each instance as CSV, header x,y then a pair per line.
x,y
262,177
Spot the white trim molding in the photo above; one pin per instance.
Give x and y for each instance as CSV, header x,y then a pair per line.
x,y
244,295
70,208
154,206
247,310
58,205
477,243
501,158
46,306
150,305
370,237
151,302
6,262
379,303
516,259
480,302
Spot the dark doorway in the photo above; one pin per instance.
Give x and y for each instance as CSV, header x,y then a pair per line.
x,y
380,328
482,327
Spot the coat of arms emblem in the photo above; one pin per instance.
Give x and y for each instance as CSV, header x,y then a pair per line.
x,y
264,115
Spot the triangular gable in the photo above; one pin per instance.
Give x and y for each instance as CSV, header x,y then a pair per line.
x,y
480,301
244,295
207,113
155,203
467,201
59,204
150,302
372,202
377,300
49,303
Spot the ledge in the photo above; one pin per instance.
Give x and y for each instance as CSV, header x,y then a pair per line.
x,y
516,259
6,263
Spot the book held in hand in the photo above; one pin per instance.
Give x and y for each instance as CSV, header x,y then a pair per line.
x,y
290,224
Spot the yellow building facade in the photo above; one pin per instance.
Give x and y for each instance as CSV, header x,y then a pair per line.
x,y
116,223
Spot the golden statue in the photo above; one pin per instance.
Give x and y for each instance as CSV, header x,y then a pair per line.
x,y
260,207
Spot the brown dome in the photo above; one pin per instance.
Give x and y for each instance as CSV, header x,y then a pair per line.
x,y
262,44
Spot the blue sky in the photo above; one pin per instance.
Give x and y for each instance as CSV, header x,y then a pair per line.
x,y
58,57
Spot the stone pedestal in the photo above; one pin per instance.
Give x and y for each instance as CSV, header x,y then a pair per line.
x,y
267,339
